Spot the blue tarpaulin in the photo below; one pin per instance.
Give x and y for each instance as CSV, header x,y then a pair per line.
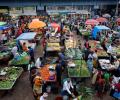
x,y
27,36
4,27
98,29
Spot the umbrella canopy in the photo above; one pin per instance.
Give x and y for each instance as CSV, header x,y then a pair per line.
x,y
27,36
2,23
118,20
91,22
107,15
101,19
35,24
55,25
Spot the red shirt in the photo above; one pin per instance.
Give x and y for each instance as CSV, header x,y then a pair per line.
x,y
118,87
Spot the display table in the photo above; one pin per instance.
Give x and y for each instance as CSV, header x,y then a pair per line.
x,y
53,47
95,45
21,61
45,73
79,70
8,77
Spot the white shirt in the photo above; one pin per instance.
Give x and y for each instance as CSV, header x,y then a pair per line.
x,y
38,63
116,63
42,98
110,49
67,86
14,50
95,55
115,80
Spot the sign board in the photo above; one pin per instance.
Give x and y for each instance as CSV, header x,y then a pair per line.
x,y
40,7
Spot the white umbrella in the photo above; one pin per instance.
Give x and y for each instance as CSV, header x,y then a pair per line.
x,y
107,15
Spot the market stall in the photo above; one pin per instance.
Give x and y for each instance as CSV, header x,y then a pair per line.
x,y
22,60
70,41
99,29
73,53
5,55
54,39
9,76
78,69
28,38
95,45
53,47
48,73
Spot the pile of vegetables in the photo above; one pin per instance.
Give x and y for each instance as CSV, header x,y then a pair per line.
x,y
102,53
74,53
53,46
80,70
117,50
85,93
12,73
4,54
11,44
21,60
45,72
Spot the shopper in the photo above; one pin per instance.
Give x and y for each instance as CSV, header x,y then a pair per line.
x,y
67,88
44,96
31,52
24,47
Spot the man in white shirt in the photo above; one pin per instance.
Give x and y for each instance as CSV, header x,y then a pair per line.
x,y
67,85
44,96
38,62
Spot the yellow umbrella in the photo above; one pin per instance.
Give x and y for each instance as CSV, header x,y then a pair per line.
x,y
35,24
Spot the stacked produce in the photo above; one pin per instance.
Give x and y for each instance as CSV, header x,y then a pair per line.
x,y
11,44
70,43
45,73
117,50
102,53
74,53
95,45
53,47
11,74
80,69
4,55
54,39
22,59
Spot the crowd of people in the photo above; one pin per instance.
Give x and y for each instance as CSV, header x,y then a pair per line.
x,y
102,81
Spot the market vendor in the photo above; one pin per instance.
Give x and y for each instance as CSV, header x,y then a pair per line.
x,y
95,58
38,62
67,86
37,87
24,47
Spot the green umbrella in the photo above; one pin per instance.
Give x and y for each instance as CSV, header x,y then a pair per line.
x,y
2,23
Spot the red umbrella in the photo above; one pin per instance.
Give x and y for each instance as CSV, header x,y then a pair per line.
x,y
91,22
101,19
55,25
118,20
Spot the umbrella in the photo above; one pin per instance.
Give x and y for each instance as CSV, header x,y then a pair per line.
x,y
91,22
2,23
35,24
55,25
107,15
101,19
118,20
